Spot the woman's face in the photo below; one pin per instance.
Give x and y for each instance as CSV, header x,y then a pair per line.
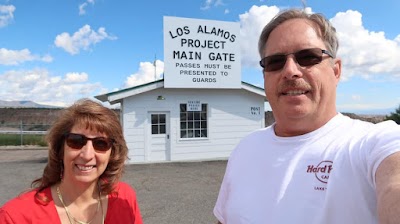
x,y
84,165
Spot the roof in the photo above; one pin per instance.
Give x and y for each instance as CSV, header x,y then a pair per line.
x,y
117,96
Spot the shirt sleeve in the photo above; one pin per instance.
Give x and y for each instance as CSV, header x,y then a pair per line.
x,y
382,141
223,196
136,210
124,200
5,217
219,205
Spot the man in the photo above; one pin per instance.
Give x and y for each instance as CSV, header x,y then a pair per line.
x,y
313,165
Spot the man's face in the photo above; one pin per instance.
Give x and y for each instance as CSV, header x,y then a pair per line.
x,y
302,94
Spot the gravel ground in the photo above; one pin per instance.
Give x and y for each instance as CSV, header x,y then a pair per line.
x,y
179,192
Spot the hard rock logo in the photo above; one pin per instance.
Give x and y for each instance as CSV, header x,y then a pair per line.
x,y
322,170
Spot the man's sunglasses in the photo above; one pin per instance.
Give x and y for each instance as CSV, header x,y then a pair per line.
x,y
306,57
77,141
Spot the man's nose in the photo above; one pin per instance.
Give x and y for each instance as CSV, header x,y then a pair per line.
x,y
291,69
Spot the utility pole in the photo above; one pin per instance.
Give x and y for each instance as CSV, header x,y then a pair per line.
x,y
304,2
155,67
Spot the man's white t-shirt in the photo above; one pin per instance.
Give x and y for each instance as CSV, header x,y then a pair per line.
x,y
326,176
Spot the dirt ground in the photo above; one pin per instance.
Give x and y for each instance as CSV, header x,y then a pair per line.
x,y
179,192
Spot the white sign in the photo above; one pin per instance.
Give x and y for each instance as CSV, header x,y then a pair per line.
x,y
193,105
201,54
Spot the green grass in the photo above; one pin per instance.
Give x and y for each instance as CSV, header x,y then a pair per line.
x,y
27,139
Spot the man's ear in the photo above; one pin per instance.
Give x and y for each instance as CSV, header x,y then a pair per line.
x,y
337,67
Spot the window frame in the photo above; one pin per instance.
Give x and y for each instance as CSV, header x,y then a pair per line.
x,y
159,124
195,126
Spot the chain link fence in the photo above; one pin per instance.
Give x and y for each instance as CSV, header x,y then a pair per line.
x,y
15,134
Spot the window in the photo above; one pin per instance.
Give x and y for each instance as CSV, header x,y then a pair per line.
x,y
193,123
157,124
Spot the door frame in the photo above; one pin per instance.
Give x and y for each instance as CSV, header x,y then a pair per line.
x,y
167,134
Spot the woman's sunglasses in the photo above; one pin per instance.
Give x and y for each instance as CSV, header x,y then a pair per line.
x,y
77,141
306,57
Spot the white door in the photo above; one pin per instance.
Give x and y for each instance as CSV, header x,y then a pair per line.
x,y
159,137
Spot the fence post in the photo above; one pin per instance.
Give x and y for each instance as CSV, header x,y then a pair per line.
x,y
22,133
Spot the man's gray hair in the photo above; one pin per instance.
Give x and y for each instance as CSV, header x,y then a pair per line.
x,y
322,26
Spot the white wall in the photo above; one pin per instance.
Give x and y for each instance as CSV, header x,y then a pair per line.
x,y
229,119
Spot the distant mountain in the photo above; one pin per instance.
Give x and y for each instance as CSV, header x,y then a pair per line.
x,y
23,104
372,111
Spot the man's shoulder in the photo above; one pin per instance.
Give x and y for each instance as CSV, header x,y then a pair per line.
x,y
346,122
261,132
373,128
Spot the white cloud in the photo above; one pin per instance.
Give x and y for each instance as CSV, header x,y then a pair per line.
x,y
226,11
365,53
145,74
6,14
219,2
397,39
47,58
74,77
16,57
82,10
356,97
364,106
210,3
251,25
308,10
207,5
82,39
40,86
82,7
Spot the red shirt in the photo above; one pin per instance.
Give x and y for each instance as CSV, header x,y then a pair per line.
x,y
122,208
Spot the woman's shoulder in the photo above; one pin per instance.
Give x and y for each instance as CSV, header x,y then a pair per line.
x,y
26,204
123,185
22,200
123,189
123,206
28,198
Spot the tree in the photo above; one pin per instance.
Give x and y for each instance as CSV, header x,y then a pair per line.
x,y
395,116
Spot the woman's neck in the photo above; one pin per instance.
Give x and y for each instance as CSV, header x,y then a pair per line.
x,y
79,193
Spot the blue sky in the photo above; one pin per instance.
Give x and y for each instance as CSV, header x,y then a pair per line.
x,y
55,52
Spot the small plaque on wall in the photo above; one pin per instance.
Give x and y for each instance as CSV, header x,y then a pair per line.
x,y
193,105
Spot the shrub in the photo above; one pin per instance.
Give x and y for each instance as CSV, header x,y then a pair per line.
x,y
395,116
25,139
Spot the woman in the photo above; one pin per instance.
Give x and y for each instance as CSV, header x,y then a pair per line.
x,y
80,183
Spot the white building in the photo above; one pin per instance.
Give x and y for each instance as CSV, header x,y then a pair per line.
x,y
201,109
176,124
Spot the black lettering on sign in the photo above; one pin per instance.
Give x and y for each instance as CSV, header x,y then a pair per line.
x,y
255,110
227,67
212,66
210,44
204,80
221,56
217,32
187,65
179,32
189,55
